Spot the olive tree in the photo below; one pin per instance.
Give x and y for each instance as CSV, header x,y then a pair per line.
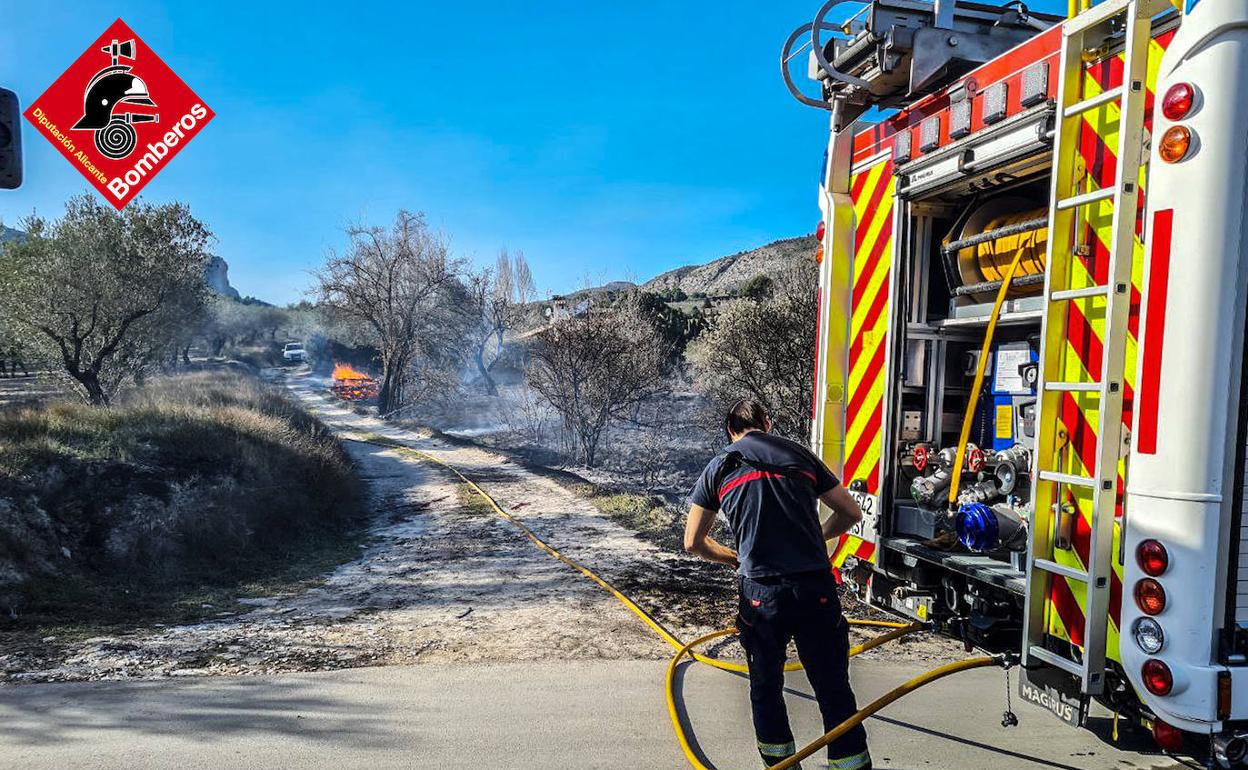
x,y
106,295
764,349
389,279
597,368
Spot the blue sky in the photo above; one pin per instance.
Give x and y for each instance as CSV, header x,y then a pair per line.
x,y
605,140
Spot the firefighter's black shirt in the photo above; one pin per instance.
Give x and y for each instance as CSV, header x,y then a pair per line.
x,y
773,515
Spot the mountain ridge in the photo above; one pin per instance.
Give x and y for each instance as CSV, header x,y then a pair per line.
x,y
727,274
723,276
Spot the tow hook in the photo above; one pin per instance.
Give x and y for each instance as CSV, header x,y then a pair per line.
x,y
1008,717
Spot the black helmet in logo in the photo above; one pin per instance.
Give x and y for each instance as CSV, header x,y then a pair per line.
x,y
113,86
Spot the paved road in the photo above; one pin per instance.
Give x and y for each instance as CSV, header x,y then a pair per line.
x,y
523,716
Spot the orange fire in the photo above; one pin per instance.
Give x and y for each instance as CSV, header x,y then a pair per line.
x,y
344,372
353,385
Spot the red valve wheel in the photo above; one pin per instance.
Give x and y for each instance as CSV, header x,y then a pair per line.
x,y
920,456
975,460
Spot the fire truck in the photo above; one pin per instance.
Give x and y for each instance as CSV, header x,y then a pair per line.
x,y
1030,367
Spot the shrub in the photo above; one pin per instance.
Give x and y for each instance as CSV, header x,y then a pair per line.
x,y
199,479
764,349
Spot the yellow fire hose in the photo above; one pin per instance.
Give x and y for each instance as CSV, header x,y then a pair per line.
x,y
859,716
973,402
682,649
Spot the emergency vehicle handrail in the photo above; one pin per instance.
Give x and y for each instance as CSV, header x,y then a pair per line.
x,y
785,58
817,46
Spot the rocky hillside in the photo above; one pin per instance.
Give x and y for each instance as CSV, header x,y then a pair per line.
x,y
727,274
218,276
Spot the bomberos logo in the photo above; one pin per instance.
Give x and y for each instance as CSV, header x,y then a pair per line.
x,y
127,114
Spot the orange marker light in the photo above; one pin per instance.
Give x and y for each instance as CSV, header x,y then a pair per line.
x,y
1175,144
1150,596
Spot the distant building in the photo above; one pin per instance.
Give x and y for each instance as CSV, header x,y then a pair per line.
x,y
558,310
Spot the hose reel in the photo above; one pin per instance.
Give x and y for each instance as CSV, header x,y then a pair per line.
x,y
980,250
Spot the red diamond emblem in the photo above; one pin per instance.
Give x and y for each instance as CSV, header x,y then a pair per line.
x,y
119,114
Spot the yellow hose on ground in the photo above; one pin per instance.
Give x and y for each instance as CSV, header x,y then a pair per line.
x,y
858,718
897,630
879,703
648,619
973,401
807,750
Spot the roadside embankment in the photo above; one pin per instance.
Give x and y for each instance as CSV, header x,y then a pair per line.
x,y
140,511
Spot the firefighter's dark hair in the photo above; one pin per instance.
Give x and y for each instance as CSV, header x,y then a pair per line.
x,y
745,414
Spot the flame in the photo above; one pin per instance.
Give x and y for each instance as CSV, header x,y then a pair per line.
x,y
344,372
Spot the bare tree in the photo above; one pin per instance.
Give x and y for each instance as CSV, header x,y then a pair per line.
x,y
523,289
597,368
106,294
496,299
433,373
503,283
487,308
764,349
388,279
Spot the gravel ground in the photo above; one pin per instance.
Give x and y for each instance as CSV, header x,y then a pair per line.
x,y
442,579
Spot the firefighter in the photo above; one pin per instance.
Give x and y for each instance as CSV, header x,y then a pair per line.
x,y
767,486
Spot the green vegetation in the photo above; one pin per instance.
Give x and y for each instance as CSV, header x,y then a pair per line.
x,y
472,502
106,296
759,287
184,493
762,348
643,513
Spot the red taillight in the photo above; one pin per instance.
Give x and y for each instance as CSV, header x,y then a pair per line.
x,y
1157,677
820,229
1168,737
1152,557
1150,597
1178,101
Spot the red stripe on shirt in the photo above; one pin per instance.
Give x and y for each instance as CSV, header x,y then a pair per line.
x,y
755,476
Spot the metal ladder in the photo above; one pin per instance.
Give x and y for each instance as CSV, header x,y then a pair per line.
x,y
1083,38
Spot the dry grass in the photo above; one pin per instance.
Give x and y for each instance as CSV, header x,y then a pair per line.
x,y
192,484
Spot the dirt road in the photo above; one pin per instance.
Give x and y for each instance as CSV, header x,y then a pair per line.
x,y
441,579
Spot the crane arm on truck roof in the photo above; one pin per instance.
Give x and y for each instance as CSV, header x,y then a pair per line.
x,y
893,51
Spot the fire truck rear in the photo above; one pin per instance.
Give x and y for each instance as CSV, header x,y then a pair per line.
x,y
1034,273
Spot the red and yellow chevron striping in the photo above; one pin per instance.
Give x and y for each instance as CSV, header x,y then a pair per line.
x,y
871,190
852,545
872,194
1081,356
